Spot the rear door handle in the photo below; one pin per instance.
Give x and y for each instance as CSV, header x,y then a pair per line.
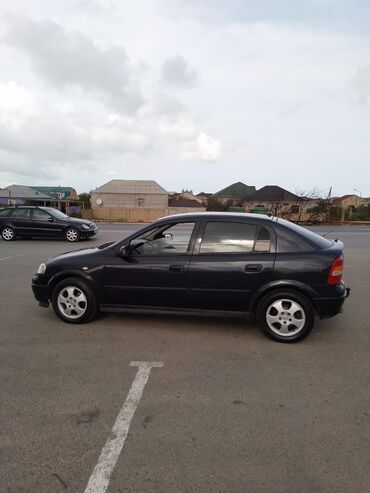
x,y
253,268
176,268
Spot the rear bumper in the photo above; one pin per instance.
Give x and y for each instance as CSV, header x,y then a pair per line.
x,y
329,307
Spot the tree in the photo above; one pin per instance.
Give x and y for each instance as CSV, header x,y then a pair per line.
x,y
214,204
323,209
85,198
306,210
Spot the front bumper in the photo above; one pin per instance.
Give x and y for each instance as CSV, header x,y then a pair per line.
x,y
329,307
88,233
40,291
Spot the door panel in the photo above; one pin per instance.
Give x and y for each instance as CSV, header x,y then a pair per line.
x,y
232,262
147,281
155,272
43,224
227,282
21,218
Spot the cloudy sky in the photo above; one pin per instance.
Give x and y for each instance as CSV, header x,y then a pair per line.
x,y
193,94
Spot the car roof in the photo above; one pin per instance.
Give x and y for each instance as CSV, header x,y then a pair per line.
x,y
27,207
222,215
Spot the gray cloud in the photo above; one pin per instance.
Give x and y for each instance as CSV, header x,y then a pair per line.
x,y
291,110
164,104
41,139
361,83
176,72
69,58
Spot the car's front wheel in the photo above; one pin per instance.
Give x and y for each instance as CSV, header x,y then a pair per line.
x,y
72,234
74,301
8,233
285,316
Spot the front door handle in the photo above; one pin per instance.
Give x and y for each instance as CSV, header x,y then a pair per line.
x,y
176,268
253,268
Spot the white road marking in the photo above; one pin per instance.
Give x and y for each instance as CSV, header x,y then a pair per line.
x,y
13,256
100,477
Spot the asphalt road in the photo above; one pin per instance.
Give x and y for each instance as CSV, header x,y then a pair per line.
x,y
230,411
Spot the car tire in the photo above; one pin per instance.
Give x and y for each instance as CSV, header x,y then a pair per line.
x,y
8,233
285,316
72,235
74,301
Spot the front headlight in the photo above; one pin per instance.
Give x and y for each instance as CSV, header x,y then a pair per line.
x,y
86,226
41,269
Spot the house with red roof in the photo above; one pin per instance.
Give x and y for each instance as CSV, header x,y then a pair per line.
x,y
349,200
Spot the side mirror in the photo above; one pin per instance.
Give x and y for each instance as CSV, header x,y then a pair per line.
x,y
50,219
124,251
129,250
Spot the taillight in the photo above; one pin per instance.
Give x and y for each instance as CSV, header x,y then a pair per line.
x,y
336,271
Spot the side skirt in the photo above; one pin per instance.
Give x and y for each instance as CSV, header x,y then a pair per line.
x,y
176,311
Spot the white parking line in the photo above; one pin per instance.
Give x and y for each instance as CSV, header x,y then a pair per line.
x,y
13,256
99,479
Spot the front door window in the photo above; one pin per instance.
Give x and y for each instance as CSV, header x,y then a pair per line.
x,y
39,215
169,239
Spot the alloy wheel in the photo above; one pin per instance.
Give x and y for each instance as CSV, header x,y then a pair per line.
x,y
7,234
285,317
72,302
72,234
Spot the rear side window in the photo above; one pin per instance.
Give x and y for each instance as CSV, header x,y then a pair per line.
x,y
232,237
303,235
288,242
4,212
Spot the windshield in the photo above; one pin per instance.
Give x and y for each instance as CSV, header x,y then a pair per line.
x,y
55,213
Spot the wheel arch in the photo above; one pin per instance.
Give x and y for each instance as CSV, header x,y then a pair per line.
x,y
290,285
72,274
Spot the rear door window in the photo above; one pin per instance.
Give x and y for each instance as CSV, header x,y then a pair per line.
x,y
4,212
233,237
22,213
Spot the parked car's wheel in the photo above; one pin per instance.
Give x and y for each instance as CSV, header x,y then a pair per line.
x,y
8,233
72,234
285,316
74,301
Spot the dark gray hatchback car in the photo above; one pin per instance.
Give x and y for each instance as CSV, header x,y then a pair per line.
x,y
282,274
43,222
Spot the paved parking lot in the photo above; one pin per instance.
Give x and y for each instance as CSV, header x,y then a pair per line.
x,y
229,411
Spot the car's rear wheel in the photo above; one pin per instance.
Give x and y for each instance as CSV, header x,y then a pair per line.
x,y
72,234
8,233
74,301
286,316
